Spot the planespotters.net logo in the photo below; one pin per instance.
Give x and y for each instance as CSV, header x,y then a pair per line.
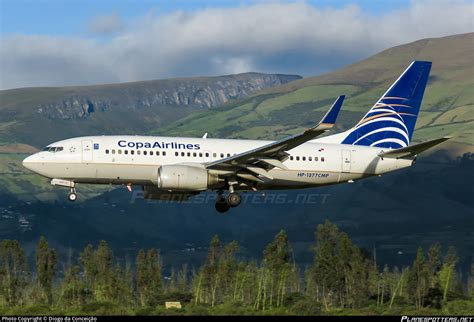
x,y
437,319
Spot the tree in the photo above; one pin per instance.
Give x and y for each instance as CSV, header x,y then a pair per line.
x,y
148,276
227,270
470,282
73,289
208,277
447,273
104,288
433,265
418,279
46,260
276,259
339,272
13,271
89,267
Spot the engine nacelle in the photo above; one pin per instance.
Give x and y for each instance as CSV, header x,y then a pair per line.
x,y
185,178
153,193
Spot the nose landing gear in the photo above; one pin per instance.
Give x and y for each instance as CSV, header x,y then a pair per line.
x,y
72,196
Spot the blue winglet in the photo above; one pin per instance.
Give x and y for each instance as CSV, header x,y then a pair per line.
x,y
331,115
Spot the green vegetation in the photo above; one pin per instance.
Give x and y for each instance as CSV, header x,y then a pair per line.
x,y
343,279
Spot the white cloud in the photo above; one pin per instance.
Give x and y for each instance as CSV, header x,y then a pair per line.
x,y
107,25
273,37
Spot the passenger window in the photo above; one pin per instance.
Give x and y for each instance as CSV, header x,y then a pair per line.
x,y
125,152
132,152
189,154
315,158
303,158
207,155
144,153
322,159
164,153
106,151
310,159
222,155
138,152
291,158
182,154
176,154
214,155
151,152
297,158
228,154
194,154
200,155
118,151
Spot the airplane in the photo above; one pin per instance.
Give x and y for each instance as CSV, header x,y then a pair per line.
x,y
183,167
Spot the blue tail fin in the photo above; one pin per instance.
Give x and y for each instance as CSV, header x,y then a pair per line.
x,y
391,121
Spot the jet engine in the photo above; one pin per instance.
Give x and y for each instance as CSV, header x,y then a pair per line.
x,y
185,178
153,193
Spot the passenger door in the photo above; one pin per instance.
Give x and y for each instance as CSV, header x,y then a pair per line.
x,y
87,151
346,161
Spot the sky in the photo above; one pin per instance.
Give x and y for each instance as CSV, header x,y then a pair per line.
x,y
71,42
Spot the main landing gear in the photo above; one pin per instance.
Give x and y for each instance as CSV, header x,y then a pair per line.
x,y
233,199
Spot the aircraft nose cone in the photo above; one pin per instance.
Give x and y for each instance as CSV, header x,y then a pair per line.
x,y
28,162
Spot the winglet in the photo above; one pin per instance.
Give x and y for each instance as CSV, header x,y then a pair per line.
x,y
331,115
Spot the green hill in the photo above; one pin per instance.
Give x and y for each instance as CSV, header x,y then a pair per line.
x,y
271,114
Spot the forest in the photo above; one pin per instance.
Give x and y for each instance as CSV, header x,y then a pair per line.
x,y
342,279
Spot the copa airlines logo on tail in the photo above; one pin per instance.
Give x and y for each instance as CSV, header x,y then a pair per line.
x,y
158,145
391,121
383,126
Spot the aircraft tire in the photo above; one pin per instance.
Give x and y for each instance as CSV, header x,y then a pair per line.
x,y
234,199
72,196
222,206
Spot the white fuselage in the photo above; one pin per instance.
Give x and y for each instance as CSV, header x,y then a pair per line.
x,y
136,160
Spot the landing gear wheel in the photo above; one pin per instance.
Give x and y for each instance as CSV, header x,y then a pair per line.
x,y
234,199
222,205
72,196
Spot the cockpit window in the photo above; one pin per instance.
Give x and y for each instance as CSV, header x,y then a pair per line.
x,y
53,148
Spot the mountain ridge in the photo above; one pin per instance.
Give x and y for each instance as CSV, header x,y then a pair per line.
x,y
103,109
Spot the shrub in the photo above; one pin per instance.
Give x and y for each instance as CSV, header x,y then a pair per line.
x,y
459,307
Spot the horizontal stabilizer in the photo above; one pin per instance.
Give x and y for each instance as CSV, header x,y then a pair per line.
x,y
412,150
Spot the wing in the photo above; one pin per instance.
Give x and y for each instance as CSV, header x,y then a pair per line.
x,y
261,159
